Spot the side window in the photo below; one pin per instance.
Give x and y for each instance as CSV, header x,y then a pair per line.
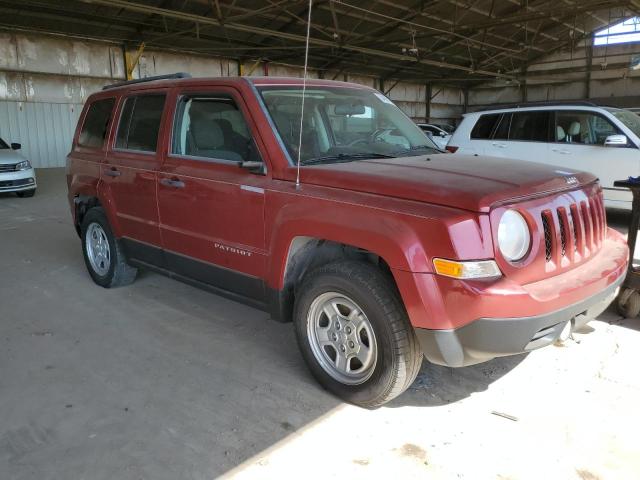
x,y
502,131
530,126
94,129
212,127
140,123
583,127
484,126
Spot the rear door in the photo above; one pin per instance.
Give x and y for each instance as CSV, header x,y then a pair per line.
x,y
522,135
211,208
130,173
579,144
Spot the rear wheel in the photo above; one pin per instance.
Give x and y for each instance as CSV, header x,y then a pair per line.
x,y
103,256
26,193
354,333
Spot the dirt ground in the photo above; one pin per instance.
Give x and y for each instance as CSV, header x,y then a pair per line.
x,y
160,380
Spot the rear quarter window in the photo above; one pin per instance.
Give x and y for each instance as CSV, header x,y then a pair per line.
x,y
96,121
484,126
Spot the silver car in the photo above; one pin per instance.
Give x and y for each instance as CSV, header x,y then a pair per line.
x,y
16,173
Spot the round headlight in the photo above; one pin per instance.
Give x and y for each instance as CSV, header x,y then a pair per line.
x,y
513,236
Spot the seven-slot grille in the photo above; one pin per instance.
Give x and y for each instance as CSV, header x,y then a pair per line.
x,y
4,167
574,231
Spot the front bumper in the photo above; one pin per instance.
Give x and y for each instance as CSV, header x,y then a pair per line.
x,y
488,338
18,181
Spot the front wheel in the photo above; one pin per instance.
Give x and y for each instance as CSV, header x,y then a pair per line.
x,y
354,333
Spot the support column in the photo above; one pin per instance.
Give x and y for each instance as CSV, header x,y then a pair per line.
x,y
427,102
589,65
465,108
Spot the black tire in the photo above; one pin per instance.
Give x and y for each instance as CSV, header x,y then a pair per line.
x,y
119,273
398,353
26,193
628,304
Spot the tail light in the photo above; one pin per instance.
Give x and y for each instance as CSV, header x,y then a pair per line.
x,y
451,149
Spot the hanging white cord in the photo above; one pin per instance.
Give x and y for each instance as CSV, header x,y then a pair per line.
x,y
304,89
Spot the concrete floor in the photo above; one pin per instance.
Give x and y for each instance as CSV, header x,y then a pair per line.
x,y
160,380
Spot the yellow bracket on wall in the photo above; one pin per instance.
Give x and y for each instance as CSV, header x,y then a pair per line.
x,y
132,61
253,67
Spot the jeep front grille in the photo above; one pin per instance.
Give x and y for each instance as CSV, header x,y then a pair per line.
x,y
548,235
575,231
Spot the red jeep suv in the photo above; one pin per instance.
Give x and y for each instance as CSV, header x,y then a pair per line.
x,y
380,248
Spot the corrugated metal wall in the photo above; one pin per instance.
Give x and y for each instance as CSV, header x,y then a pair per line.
x,y
44,129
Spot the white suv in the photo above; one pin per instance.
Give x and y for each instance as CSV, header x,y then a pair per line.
x,y
581,136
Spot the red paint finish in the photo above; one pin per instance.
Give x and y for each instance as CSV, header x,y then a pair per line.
x,y
406,210
439,302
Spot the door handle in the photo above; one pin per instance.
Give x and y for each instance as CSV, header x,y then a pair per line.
x,y
499,145
113,172
172,182
561,151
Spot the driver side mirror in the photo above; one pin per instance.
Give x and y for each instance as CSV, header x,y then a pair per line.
x,y
616,141
253,167
16,146
253,162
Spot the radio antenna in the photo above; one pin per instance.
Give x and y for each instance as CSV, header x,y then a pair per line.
x,y
304,89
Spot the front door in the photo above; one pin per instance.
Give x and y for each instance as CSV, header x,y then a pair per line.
x,y
130,174
212,208
580,136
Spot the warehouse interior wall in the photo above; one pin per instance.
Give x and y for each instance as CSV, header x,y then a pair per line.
x,y
605,75
45,79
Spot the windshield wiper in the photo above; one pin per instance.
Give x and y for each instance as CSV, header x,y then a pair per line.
x,y
346,157
423,147
418,147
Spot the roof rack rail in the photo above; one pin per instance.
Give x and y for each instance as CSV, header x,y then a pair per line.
x,y
148,79
554,103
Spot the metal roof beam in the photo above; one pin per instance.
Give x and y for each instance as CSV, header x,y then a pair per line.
x,y
544,14
189,17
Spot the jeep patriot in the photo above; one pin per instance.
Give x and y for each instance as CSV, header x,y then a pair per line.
x,y
385,251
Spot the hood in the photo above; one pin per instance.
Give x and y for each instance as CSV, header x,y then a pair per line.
x,y
10,156
468,182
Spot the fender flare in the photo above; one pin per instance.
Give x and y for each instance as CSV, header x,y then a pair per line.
x,y
396,243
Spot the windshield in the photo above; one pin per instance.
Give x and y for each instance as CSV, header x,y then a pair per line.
x,y
3,145
630,120
343,124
